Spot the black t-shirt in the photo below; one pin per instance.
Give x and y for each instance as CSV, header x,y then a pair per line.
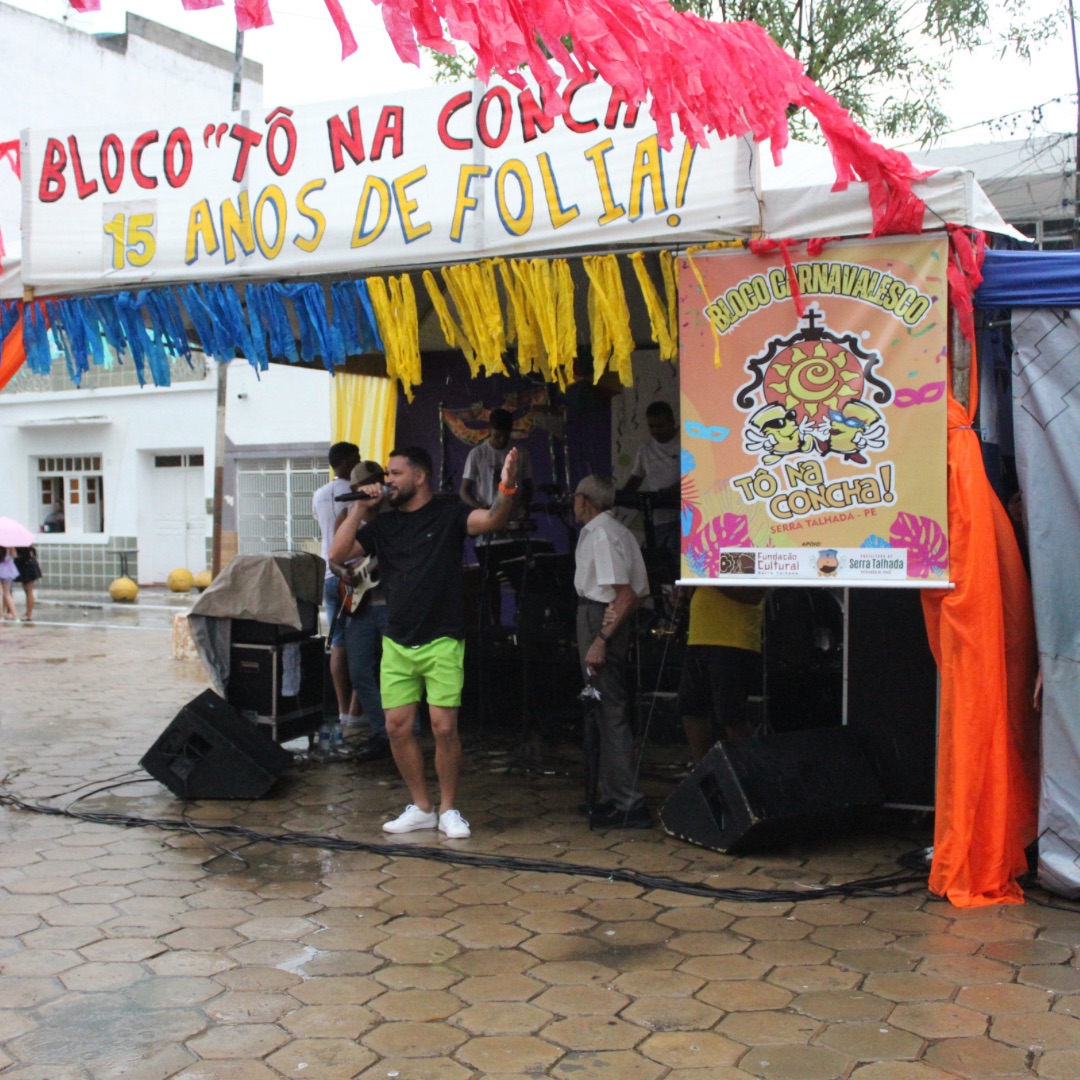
x,y
421,553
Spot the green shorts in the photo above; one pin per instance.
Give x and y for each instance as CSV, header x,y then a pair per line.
x,y
408,670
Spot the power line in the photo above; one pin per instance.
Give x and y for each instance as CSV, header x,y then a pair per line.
x,y
1031,110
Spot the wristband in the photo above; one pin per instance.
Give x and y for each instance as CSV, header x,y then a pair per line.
x,y
603,637
507,490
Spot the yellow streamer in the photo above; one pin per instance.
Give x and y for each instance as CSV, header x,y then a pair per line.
x,y
475,292
394,303
670,275
565,323
705,298
609,318
521,319
658,315
455,338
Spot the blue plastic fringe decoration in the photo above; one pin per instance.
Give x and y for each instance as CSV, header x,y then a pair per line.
x,y
267,305
10,313
36,339
317,336
150,325
354,318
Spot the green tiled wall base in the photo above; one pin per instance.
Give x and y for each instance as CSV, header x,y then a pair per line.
x,y
87,567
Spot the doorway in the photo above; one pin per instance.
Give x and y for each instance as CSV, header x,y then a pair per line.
x,y
177,534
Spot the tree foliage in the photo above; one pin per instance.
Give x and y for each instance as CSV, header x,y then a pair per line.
x,y
887,61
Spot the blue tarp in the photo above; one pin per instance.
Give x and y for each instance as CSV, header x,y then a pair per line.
x,y
1030,279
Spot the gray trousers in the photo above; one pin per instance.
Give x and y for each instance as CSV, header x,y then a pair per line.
x,y
617,780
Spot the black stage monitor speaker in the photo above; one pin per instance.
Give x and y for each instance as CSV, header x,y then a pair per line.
x,y
755,792
211,752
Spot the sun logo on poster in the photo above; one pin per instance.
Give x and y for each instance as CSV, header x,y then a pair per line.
x,y
815,393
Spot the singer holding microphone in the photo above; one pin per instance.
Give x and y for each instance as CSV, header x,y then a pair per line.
x,y
420,546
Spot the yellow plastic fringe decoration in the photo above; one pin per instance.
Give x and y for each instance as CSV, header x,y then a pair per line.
x,y
705,299
475,292
713,245
669,273
453,333
540,316
399,327
609,318
565,323
522,320
658,315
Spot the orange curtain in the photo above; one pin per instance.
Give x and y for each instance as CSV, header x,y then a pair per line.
x,y
12,354
982,633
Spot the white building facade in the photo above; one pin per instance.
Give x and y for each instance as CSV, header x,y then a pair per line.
x,y
118,478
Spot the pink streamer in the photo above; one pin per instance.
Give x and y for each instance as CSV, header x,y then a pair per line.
x,y
9,152
965,275
201,5
253,14
86,5
348,42
712,79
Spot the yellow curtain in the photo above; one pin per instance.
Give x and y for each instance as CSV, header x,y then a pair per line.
x,y
363,410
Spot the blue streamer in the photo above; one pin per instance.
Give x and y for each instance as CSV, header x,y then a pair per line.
x,y
316,336
369,326
269,302
36,340
9,316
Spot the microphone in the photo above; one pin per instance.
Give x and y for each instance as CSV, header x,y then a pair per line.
x,y
360,496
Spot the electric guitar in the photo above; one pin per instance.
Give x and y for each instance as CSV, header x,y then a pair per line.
x,y
363,576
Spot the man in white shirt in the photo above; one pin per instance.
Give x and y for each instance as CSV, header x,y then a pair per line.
x,y
657,467
610,581
343,457
483,467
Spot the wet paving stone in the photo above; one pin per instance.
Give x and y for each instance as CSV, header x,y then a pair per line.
x,y
143,954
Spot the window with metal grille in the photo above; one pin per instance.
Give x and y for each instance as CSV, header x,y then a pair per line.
x,y
274,504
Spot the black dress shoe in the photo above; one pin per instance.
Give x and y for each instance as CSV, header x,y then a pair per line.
x,y
375,750
599,808
613,818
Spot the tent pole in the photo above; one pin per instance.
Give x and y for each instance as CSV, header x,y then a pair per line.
x,y
219,466
223,367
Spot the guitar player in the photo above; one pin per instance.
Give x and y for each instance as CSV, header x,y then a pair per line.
x,y
364,617
343,458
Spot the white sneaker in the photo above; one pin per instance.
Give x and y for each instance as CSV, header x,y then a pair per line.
x,y
454,825
411,819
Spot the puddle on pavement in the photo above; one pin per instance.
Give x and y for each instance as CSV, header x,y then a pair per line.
x,y
105,1031
273,862
299,965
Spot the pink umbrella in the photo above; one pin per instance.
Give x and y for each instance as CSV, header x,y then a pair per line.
x,y
12,534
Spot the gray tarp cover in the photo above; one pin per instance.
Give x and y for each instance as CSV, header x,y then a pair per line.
x,y
264,588
1046,416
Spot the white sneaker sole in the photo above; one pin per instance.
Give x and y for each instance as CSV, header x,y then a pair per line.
x,y
393,827
456,833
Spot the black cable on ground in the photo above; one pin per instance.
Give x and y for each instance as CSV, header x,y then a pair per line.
x,y
885,885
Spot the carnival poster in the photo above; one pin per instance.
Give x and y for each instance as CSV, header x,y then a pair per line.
x,y
814,417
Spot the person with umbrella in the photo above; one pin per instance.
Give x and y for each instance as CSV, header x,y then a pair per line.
x,y
16,549
8,574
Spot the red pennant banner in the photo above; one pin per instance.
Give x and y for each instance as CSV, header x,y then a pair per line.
x,y
201,5
715,79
